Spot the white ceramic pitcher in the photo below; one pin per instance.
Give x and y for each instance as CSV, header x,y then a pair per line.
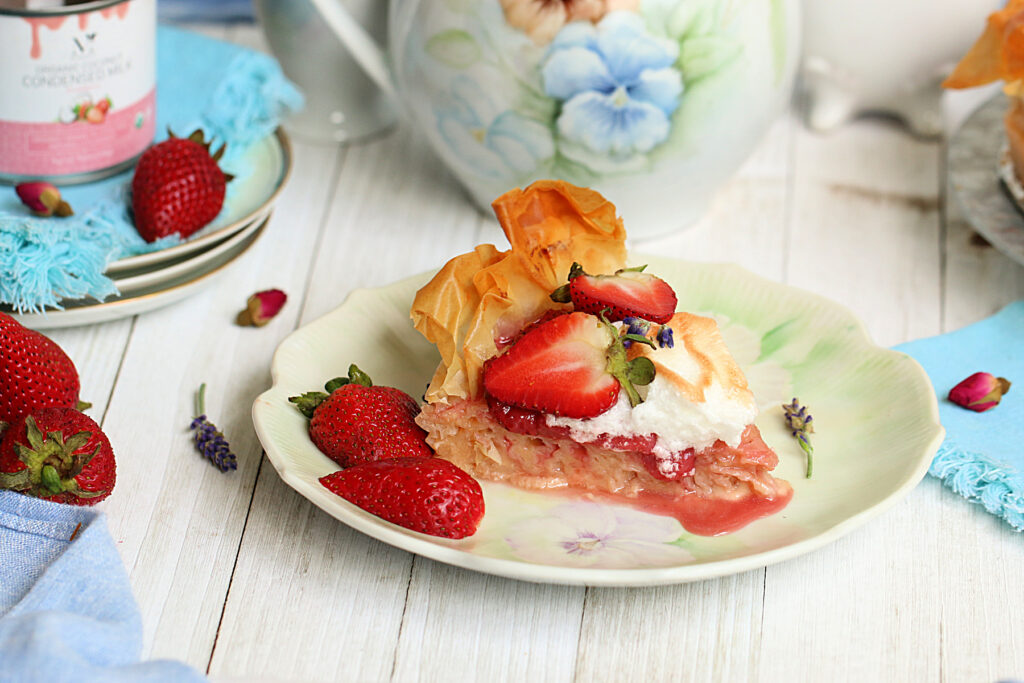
x,y
886,56
654,103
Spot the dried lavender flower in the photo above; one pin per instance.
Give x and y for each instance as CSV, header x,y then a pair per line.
x,y
634,326
209,440
800,423
665,339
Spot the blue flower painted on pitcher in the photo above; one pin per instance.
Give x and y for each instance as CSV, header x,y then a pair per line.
x,y
493,141
617,84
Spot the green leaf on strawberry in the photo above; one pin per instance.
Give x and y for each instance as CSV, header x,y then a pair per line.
x,y
58,454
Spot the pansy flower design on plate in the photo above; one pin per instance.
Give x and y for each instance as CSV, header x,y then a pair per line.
x,y
493,141
582,534
617,84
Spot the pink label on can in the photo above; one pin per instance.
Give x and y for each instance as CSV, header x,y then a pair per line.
x,y
101,135
76,89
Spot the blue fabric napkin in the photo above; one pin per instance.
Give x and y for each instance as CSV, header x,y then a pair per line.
x,y
66,608
982,458
236,95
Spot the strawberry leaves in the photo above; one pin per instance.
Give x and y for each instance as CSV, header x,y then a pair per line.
x,y
51,463
630,373
307,403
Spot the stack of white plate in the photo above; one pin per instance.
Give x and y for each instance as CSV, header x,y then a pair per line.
x,y
150,281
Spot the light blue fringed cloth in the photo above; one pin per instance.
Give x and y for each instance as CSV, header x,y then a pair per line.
x,y
236,95
67,612
982,458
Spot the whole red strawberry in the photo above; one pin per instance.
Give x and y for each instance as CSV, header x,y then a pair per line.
x,y
34,372
177,188
358,422
58,454
428,495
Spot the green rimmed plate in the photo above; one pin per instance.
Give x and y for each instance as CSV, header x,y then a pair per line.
x,y
874,410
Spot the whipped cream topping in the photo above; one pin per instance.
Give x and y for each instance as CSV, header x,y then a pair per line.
x,y
668,412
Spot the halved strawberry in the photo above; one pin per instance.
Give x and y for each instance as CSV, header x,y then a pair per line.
x,y
572,366
506,340
428,495
627,293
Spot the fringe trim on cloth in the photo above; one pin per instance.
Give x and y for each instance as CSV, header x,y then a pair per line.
x,y
250,102
45,260
982,480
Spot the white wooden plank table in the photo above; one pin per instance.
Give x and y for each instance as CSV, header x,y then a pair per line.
x,y
241,577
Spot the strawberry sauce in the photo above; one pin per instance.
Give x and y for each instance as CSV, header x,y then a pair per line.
x,y
713,516
699,514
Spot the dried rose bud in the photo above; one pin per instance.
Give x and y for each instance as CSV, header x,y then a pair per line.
x,y
261,307
979,392
43,198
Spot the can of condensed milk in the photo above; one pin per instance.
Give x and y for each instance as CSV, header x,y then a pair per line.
x,y
77,87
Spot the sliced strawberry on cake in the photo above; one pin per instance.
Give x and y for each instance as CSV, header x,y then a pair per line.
x,y
600,388
570,366
628,293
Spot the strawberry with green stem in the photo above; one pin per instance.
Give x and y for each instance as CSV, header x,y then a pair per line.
x,y
178,187
355,421
58,454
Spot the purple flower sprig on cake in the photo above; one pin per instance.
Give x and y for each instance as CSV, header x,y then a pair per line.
x,y
641,327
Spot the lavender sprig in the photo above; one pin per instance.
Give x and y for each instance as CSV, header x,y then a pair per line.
x,y
633,326
209,440
665,339
642,327
801,425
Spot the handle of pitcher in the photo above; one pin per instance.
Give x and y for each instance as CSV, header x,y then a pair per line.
x,y
364,49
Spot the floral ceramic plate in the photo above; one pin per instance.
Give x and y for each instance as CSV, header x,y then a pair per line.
x,y
875,412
